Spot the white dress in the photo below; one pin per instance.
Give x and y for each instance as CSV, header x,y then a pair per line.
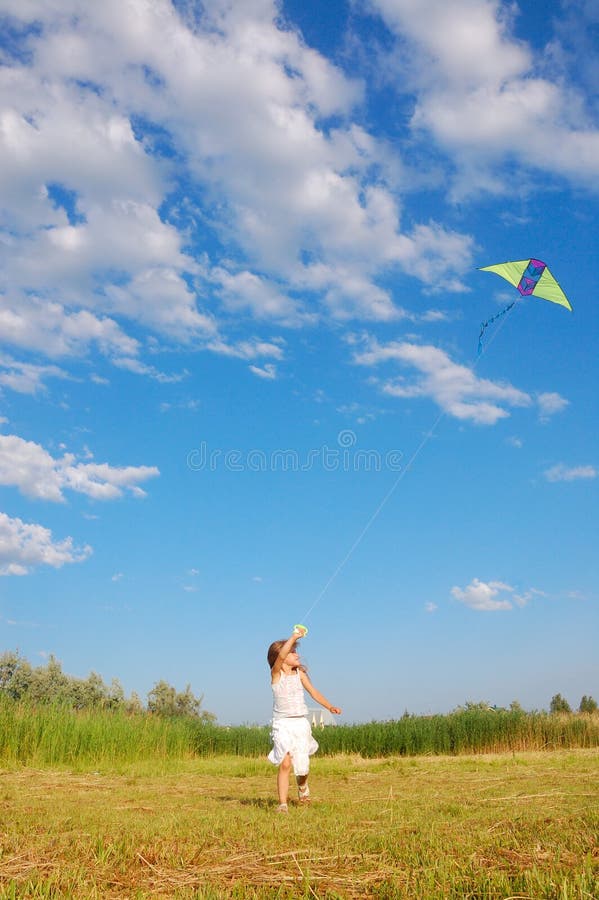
x,y
290,728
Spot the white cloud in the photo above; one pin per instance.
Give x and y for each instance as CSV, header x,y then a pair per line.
x,y
132,364
254,348
23,546
525,597
493,595
438,256
259,296
551,403
561,472
481,94
105,246
484,596
160,298
28,467
430,607
26,378
572,51
348,292
96,237
268,371
435,315
49,328
187,405
466,40
453,387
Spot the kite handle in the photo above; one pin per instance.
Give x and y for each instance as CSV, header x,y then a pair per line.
x,y
300,630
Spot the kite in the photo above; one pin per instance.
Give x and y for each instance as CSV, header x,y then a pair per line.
x,y
532,278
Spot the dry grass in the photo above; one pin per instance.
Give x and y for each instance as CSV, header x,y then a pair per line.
x,y
522,826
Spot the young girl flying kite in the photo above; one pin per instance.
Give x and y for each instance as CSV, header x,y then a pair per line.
x,y
293,743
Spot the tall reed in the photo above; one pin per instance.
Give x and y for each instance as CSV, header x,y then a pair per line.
x,y
48,735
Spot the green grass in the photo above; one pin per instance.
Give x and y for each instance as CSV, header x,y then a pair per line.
x,y
55,735
516,825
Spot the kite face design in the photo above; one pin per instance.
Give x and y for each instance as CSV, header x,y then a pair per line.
x,y
532,278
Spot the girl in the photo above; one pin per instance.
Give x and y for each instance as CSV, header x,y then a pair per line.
x,y
292,739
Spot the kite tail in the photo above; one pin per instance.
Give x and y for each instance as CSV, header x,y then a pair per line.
x,y
485,325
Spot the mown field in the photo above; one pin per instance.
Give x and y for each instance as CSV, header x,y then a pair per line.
x,y
517,825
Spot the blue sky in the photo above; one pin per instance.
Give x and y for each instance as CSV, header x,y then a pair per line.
x,y
239,295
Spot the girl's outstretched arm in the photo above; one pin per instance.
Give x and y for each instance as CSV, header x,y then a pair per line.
x,y
283,654
316,695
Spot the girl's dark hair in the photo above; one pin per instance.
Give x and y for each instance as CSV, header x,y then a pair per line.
x,y
273,652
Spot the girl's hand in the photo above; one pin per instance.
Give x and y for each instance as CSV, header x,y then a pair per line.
x,y
335,710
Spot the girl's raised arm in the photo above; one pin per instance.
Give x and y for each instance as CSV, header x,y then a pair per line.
x,y
283,653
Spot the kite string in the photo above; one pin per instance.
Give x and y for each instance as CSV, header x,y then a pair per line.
x,y
375,514
429,434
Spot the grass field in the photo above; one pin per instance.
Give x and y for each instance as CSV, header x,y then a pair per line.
x,y
518,825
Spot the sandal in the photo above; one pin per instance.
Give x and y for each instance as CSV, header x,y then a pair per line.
x,y
303,793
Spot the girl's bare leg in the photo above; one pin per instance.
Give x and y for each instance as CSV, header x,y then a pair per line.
x,y
283,779
303,789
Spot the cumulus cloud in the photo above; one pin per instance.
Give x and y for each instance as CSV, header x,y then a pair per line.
x,y
550,403
484,596
481,596
26,378
561,472
23,546
133,134
483,96
47,327
35,473
453,387
493,595
260,297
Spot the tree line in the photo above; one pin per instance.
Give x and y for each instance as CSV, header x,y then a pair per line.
x,y
560,705
46,684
